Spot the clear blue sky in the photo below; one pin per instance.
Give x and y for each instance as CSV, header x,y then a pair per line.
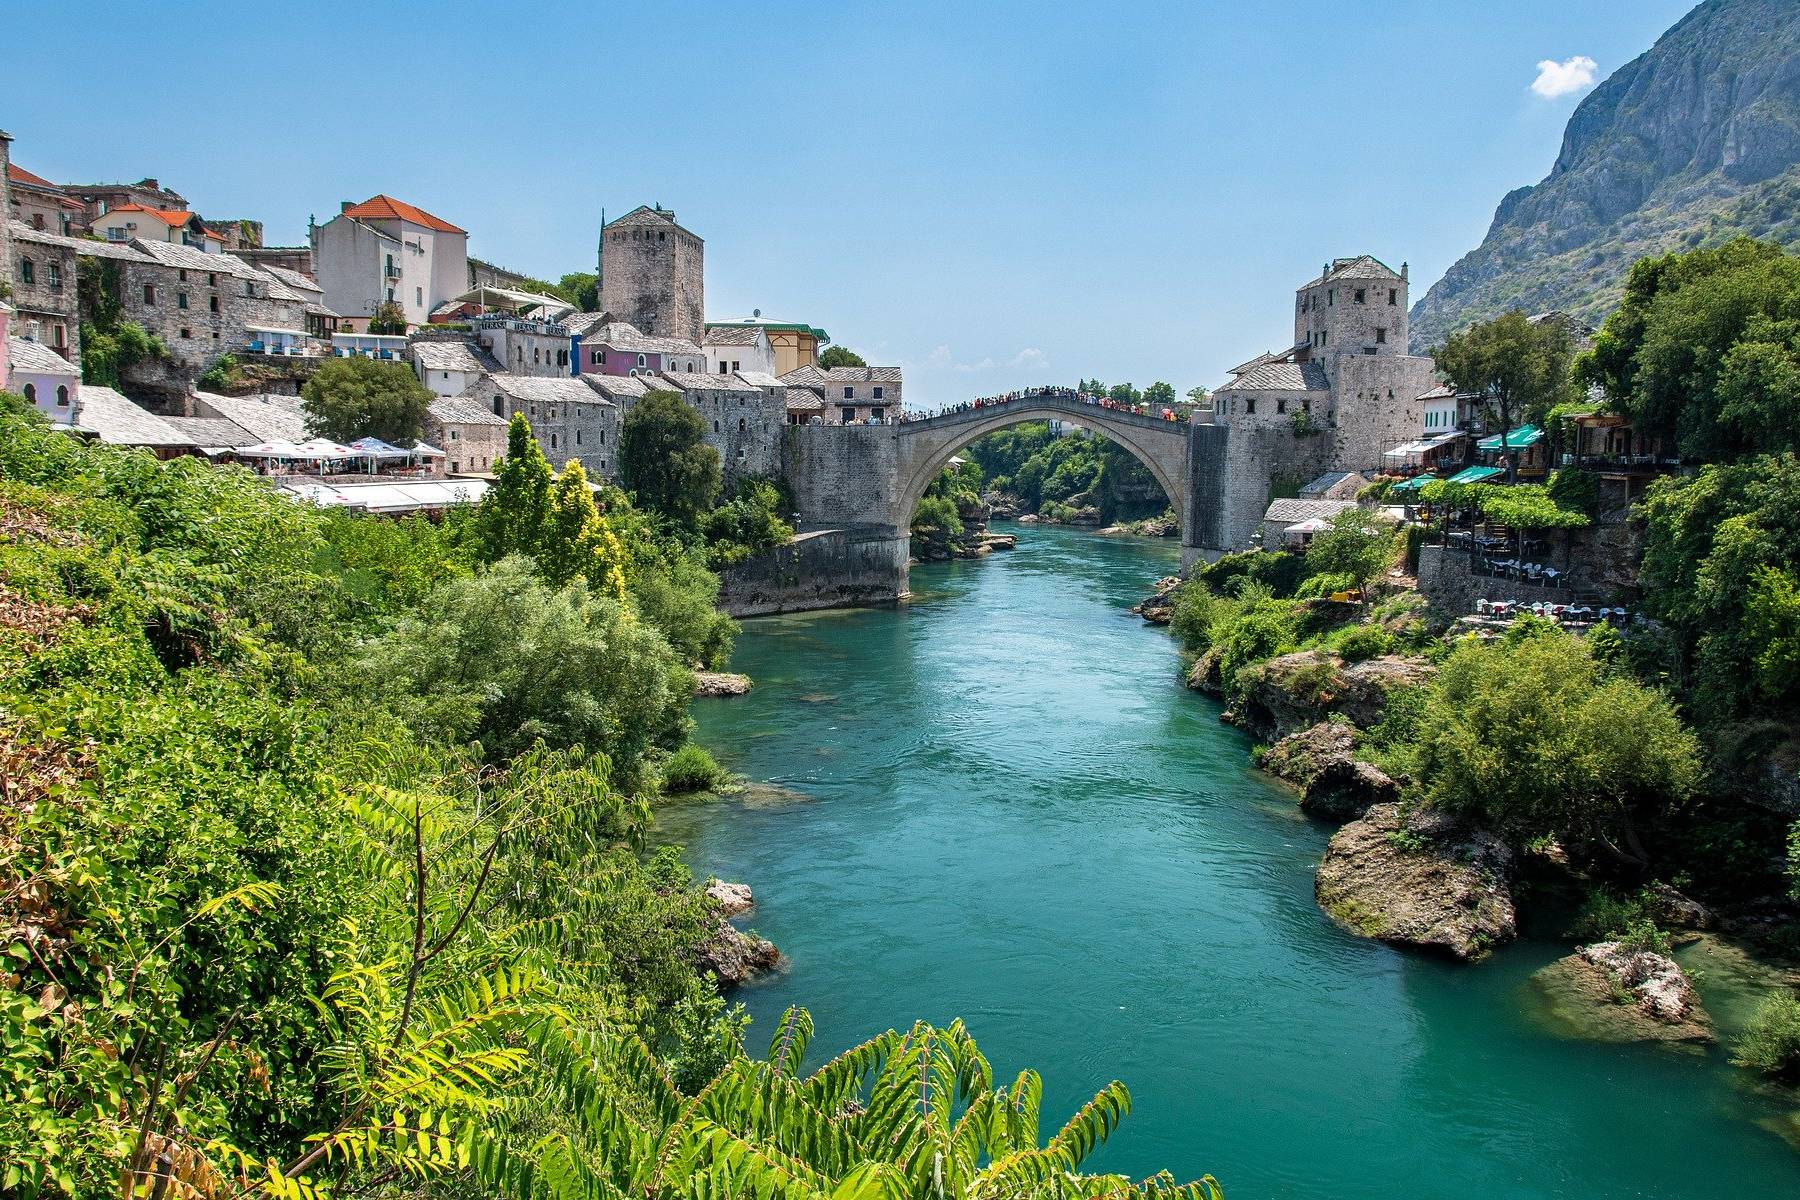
x,y
988,194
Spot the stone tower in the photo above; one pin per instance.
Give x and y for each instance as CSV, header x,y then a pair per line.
x,y
653,274
1357,306
6,257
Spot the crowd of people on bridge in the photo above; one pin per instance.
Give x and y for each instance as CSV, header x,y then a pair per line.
x,y
1096,399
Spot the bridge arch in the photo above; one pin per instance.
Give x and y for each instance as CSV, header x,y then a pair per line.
x,y
927,445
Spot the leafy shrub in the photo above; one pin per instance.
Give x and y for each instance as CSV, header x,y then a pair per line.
x,y
1358,545
1191,617
1771,1043
1606,914
938,514
691,769
1326,583
1364,642
1279,572
1575,490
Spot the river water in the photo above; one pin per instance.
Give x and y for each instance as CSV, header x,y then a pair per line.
x,y
998,803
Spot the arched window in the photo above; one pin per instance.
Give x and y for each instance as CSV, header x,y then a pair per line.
x,y
62,396
715,427
642,361
553,441
31,392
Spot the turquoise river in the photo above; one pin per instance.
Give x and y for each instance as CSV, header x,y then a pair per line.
x,y
997,802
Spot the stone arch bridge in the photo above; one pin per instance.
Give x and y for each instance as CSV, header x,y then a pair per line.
x,y
862,482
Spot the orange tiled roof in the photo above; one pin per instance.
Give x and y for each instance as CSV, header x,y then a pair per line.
x,y
168,216
19,174
386,208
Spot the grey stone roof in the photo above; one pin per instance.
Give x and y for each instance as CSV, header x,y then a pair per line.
x,y
22,232
1295,511
1327,481
1271,356
618,335
761,379
807,376
702,381
551,389
294,279
116,421
170,254
1361,266
731,335
38,359
863,375
270,418
1281,377
619,385
584,323
801,399
453,356
213,431
464,409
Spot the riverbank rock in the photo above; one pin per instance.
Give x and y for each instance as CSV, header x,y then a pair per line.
x,y
1159,607
1000,541
1334,785
1299,758
1000,506
1296,691
730,898
1429,883
720,683
1611,993
735,956
1204,675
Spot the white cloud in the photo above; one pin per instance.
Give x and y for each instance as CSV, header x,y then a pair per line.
x,y
941,359
1562,78
1030,356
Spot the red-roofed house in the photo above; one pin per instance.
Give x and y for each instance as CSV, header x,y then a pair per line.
x,y
41,204
388,250
129,222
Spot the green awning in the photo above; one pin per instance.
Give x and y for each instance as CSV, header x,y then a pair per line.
x,y
1475,474
1516,439
1409,485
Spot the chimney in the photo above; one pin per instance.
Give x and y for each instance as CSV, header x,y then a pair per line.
x,y
344,205
151,184
1403,271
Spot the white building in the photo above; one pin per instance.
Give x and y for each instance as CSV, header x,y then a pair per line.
x,y
450,368
734,349
386,250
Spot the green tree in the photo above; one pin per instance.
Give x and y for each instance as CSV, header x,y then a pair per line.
x,y
1704,350
840,356
576,541
388,318
350,398
1159,394
664,461
1538,739
583,290
1519,368
1200,397
1358,546
1124,393
749,523
516,510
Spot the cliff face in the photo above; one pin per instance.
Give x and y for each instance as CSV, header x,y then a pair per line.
x,y
1695,141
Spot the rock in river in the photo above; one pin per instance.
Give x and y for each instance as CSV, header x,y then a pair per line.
x,y
1612,993
732,898
720,683
1293,691
734,956
1159,607
1333,784
1430,883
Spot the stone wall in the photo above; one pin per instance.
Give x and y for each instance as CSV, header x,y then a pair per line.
x,y
50,300
1599,564
1375,406
844,473
653,275
833,568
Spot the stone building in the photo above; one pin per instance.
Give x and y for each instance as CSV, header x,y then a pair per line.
x,y
733,349
472,438
297,259
37,202
203,305
652,274
44,295
49,382
6,256
98,198
320,320
569,417
525,345
386,250
450,365
850,395
618,348
744,421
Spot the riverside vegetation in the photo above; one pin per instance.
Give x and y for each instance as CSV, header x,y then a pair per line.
x,y
320,866
1630,765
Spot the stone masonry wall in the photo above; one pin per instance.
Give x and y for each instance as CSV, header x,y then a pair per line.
x,y
654,278
835,568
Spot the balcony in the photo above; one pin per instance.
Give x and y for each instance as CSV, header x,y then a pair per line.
x,y
391,271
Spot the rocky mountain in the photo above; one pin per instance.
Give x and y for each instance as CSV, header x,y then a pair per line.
x,y
1693,142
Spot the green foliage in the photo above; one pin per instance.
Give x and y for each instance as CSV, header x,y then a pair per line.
x,y
1159,395
1607,914
664,461
389,318
1519,368
937,514
691,769
1358,546
221,375
577,542
840,356
1272,570
350,398
1719,549
106,354
1362,642
749,523
1770,1045
1704,350
504,660
1532,736
582,289
1574,490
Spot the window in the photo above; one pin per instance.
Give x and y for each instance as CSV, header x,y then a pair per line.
x,y
27,271
180,299
212,303
1324,336
603,437
553,441
878,393
1362,296
736,365
1281,406
452,434
876,413
849,415
1249,406
642,361
390,295
454,465
1330,297
740,424
578,437
212,279
715,426
149,295
62,336
594,358
724,368
534,356
186,332
182,275
249,288
1393,297
31,393
499,403
62,395
849,393
1381,335
54,275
